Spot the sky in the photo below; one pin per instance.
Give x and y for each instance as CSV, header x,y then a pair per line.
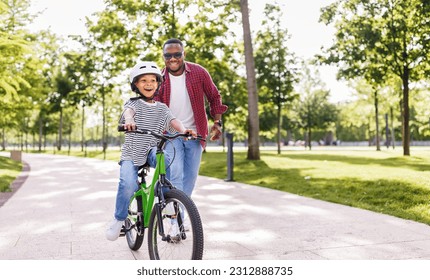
x,y
67,17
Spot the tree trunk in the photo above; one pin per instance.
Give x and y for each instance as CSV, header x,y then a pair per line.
x,y
82,128
279,127
378,146
104,138
70,139
40,132
406,132
253,121
172,31
392,127
3,140
60,131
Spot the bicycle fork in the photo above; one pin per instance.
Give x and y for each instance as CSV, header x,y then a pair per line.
x,y
177,215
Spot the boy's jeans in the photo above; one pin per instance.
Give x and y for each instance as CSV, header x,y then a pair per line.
x,y
128,184
185,167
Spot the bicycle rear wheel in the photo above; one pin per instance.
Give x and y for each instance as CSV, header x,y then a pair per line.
x,y
183,230
134,224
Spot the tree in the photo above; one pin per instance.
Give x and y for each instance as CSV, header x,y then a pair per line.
x,y
253,121
420,115
312,109
13,45
393,32
129,31
42,80
83,94
315,112
22,86
275,66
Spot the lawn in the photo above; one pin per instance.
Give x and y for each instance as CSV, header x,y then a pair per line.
x,y
384,181
9,170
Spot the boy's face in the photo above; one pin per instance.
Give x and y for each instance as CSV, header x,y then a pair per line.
x,y
147,84
174,56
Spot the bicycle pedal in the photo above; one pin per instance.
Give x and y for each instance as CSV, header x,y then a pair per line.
x,y
122,232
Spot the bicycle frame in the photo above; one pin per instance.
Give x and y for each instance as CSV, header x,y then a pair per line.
x,y
147,192
147,211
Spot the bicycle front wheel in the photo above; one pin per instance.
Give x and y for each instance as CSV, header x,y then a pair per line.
x,y
183,230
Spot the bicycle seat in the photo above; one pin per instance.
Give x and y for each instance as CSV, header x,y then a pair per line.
x,y
146,165
143,170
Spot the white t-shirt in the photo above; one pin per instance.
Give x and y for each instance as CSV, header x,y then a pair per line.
x,y
180,104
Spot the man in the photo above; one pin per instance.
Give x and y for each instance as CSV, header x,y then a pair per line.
x,y
185,88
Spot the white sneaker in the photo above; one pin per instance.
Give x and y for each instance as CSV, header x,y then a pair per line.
x,y
114,229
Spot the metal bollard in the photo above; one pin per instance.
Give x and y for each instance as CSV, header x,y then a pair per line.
x,y
230,164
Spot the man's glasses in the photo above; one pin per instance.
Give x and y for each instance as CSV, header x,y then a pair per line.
x,y
176,55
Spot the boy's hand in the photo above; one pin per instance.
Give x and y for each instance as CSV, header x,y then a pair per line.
x,y
129,125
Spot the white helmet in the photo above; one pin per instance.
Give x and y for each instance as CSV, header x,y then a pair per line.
x,y
144,67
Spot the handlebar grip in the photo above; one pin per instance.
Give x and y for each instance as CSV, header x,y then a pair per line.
x,y
121,128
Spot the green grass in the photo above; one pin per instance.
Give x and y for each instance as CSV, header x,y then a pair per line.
x,y
9,170
384,181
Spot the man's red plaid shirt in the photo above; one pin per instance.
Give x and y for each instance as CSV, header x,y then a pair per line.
x,y
199,85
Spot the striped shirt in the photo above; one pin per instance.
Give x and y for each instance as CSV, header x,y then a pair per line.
x,y
152,116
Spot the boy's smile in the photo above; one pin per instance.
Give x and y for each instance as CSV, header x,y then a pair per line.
x,y
147,84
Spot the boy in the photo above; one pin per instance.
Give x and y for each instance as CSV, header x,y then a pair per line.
x,y
142,112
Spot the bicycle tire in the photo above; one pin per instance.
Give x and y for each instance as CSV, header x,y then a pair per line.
x,y
134,224
185,245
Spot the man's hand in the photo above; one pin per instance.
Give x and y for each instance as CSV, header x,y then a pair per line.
x,y
190,132
215,132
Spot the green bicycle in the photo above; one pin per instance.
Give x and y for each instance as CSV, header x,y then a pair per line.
x,y
175,229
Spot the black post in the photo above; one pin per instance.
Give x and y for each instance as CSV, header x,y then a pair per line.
x,y
230,164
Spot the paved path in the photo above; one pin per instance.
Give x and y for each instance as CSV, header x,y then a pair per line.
x,y
61,210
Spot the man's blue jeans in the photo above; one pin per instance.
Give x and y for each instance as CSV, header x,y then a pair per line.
x,y
128,183
185,166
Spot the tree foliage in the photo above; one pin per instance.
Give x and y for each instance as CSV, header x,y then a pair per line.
x,y
14,46
312,109
45,89
276,70
378,36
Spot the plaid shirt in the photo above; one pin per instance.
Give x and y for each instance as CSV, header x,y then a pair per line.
x,y
199,85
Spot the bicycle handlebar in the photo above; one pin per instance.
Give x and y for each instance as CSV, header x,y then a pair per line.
x,y
121,128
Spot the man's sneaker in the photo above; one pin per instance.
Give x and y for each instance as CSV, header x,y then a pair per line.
x,y
186,225
174,228
114,229
174,231
170,210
